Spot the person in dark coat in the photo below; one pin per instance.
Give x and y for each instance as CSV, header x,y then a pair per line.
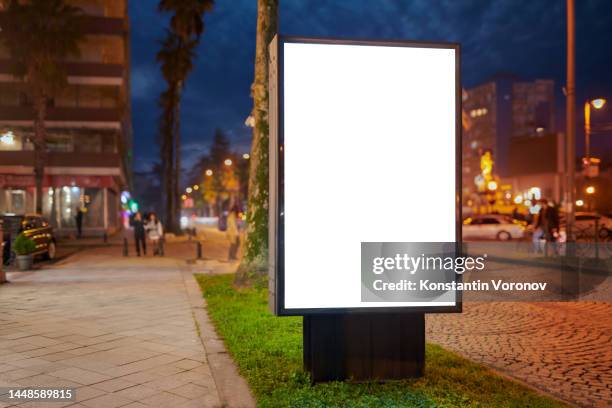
x,y
139,233
79,221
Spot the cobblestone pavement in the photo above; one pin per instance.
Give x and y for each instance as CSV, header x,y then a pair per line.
x,y
119,330
564,349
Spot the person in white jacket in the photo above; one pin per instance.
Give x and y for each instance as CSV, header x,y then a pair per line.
x,y
155,233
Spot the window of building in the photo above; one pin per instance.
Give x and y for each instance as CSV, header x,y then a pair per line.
x,y
60,143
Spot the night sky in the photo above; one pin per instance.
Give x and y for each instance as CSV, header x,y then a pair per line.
x,y
523,37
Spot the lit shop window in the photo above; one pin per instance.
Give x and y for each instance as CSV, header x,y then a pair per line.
x,y
478,112
8,141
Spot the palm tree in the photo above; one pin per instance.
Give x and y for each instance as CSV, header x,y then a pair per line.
x,y
186,28
256,243
176,60
39,35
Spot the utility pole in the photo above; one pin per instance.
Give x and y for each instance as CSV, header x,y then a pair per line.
x,y
570,124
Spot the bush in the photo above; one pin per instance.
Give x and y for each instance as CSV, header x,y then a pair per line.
x,y
23,245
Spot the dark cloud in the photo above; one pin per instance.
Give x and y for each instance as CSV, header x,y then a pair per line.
x,y
520,36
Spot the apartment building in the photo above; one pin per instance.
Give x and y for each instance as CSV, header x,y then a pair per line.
x,y
88,130
502,111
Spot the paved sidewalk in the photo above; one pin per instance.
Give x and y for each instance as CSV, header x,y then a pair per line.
x,y
564,349
119,330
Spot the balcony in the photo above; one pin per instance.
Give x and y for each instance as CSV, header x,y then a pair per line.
x,y
26,113
61,159
78,69
103,25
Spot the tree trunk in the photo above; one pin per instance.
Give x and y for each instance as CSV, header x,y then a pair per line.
x,y
177,159
40,148
168,170
256,244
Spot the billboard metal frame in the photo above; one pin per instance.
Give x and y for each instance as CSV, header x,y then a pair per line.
x,y
277,191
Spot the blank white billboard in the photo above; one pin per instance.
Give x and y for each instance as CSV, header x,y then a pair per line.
x,y
369,135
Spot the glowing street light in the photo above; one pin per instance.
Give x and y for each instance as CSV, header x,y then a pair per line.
x,y
209,172
518,199
598,103
228,162
188,190
183,197
246,156
579,203
492,185
590,190
196,187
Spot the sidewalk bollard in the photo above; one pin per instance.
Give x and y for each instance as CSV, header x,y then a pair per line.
x,y
161,246
198,250
596,239
125,247
2,273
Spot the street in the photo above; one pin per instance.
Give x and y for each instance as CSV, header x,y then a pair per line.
x,y
559,348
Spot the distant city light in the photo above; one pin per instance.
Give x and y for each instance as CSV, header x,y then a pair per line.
x,y
492,185
228,162
590,190
8,138
527,203
246,156
598,103
188,190
195,187
518,199
535,193
183,197
209,172
540,129
535,209
579,203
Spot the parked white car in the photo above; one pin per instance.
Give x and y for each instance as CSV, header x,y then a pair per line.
x,y
493,226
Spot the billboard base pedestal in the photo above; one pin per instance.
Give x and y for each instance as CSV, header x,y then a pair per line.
x,y
364,347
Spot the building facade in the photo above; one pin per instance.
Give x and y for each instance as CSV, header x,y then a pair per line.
x,y
500,113
88,130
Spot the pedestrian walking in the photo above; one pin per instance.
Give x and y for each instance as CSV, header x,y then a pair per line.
x,y
233,234
155,233
79,221
139,233
540,229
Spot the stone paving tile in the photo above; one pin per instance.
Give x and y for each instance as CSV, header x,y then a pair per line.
x,y
114,385
119,330
561,348
107,401
138,392
79,375
165,400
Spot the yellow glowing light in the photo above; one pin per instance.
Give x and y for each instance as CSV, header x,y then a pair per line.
x,y
590,190
209,172
196,187
598,103
228,162
492,185
518,199
246,156
183,197
579,203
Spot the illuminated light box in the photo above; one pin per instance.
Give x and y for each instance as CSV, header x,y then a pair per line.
x,y
364,147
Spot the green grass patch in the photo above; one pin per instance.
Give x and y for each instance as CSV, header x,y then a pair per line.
x,y
268,351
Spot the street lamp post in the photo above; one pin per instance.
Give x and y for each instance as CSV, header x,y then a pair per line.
x,y
597,104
